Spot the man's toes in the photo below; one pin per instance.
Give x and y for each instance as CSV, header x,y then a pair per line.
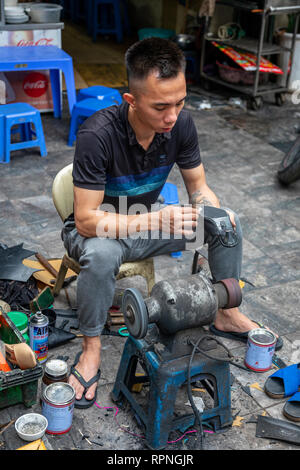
x,y
77,387
90,393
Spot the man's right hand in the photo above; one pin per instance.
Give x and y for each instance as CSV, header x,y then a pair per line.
x,y
179,220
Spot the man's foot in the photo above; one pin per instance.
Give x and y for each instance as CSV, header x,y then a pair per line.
x,y
232,320
233,324
88,366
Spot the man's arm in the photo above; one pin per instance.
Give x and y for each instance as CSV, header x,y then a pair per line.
x,y
197,188
91,221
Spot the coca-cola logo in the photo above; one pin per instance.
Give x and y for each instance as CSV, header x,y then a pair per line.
x,y
39,42
35,84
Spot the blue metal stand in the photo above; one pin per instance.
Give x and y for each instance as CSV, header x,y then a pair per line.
x,y
164,379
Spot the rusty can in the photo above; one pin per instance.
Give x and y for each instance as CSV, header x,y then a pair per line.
x,y
260,349
58,407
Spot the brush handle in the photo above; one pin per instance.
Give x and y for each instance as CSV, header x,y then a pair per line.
x,y
44,262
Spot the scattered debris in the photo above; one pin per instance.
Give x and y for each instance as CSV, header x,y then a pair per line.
x,y
247,390
199,403
238,421
5,426
85,437
257,386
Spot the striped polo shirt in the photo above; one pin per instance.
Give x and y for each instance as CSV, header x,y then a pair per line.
x,y
108,157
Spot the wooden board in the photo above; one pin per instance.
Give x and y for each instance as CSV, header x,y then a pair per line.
x,y
43,275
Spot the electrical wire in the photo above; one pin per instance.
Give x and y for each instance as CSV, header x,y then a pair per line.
x,y
189,390
138,435
198,415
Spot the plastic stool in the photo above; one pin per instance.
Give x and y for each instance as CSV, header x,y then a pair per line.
x,y
109,23
82,110
100,92
21,115
170,194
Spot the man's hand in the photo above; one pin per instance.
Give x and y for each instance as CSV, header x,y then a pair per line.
x,y
231,216
178,220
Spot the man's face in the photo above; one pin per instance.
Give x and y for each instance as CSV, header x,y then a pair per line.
x,y
158,102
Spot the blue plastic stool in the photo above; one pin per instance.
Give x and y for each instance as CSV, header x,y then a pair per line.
x,y
82,110
110,18
100,93
22,115
170,194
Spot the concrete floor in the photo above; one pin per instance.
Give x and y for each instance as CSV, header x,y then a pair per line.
x,y
241,153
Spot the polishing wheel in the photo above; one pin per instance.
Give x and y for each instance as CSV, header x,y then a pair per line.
x,y
135,313
234,292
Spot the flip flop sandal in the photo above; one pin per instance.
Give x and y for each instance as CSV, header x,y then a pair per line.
x,y
291,409
84,402
284,382
243,336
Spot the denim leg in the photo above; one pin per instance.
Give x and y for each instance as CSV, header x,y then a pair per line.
x,y
100,260
225,262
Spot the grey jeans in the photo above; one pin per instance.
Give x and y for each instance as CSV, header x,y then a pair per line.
x,y
101,258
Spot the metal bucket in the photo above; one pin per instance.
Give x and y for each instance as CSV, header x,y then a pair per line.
x,y
44,13
260,349
58,407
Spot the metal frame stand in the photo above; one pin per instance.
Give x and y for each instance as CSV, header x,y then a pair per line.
x,y
256,92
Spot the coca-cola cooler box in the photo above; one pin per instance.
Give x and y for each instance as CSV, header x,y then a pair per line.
x,y
33,87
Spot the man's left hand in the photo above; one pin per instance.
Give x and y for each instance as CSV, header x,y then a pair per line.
x,y
231,216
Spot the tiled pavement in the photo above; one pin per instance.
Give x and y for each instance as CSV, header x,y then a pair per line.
x,y
241,153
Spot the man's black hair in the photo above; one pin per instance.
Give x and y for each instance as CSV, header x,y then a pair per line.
x,y
154,55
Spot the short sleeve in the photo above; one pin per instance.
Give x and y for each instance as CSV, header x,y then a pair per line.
x,y
90,162
188,155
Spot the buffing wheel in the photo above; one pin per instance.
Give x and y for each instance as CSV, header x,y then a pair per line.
x,y
135,313
234,292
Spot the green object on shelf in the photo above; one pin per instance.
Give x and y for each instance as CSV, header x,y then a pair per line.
x,y
155,32
21,321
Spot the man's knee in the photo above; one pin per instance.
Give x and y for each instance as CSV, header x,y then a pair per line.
x,y
101,257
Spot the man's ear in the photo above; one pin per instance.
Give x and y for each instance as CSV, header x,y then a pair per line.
x,y
130,99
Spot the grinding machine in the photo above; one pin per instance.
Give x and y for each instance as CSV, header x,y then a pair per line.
x,y
168,341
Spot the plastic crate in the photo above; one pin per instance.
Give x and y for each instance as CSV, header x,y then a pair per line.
x,y
17,386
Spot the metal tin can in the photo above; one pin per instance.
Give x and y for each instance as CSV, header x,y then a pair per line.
x,y
55,370
38,335
260,349
58,407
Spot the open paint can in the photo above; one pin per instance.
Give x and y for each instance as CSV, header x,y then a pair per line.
x,y
58,407
260,349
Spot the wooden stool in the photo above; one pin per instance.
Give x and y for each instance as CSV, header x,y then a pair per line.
x,y
143,268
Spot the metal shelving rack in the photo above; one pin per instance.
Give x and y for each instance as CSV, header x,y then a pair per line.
x,y
258,47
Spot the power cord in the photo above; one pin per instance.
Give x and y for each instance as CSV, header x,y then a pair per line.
x,y
196,347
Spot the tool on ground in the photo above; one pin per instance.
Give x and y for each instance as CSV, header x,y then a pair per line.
x,y
272,428
167,339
